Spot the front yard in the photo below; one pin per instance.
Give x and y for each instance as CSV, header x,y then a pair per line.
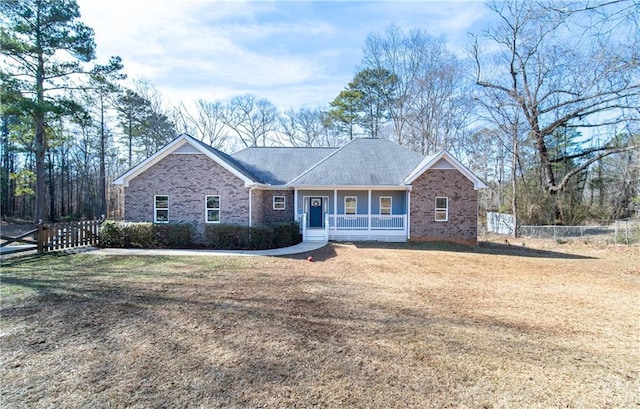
x,y
423,325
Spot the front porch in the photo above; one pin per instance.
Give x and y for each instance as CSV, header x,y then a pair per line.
x,y
348,215
357,228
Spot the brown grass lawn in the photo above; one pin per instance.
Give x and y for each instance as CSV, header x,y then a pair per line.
x,y
365,326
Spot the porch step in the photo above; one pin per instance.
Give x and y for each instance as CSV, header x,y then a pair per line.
x,y
315,235
315,240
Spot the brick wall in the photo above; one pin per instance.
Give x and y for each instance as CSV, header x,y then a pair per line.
x,y
263,212
187,179
462,226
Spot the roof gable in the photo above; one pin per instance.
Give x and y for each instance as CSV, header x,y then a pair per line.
x,y
444,160
185,144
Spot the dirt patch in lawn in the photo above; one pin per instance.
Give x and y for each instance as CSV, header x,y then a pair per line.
x,y
367,325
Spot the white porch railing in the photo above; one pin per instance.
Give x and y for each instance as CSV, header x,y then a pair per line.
x,y
366,222
344,222
356,227
390,222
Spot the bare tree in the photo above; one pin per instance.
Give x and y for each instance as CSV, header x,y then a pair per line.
x,y
564,66
304,127
206,123
253,120
427,106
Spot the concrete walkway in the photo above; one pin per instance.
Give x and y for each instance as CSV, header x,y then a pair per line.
x,y
297,249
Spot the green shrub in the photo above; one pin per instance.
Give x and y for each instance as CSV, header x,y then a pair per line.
x,y
182,235
231,237
139,235
228,237
286,234
110,234
146,235
261,238
174,235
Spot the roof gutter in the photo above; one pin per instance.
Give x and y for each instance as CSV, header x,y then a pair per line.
x,y
350,187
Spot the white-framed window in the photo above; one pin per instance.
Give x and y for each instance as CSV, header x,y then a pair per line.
x,y
350,205
442,209
279,203
212,208
385,205
161,209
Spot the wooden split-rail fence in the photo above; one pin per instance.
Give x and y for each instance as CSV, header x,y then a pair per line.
x,y
59,236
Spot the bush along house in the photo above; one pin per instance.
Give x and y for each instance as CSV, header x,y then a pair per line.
x,y
369,189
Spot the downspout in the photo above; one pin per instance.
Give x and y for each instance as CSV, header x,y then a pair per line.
x,y
251,206
478,215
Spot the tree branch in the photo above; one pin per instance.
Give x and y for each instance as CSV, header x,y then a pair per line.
x,y
565,180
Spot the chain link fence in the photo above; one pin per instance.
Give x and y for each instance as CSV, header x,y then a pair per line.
x,y
620,231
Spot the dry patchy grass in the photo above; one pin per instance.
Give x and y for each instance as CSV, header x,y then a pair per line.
x,y
366,326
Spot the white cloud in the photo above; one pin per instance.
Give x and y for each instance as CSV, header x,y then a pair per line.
x,y
293,53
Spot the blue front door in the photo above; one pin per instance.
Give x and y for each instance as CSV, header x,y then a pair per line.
x,y
315,212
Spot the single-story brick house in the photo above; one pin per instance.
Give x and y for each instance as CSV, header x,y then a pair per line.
x,y
369,189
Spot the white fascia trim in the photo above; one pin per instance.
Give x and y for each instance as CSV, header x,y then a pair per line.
x,y
429,161
273,187
332,187
167,150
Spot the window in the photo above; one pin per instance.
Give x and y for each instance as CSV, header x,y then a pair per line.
x,y
161,209
385,205
442,209
212,209
279,203
350,205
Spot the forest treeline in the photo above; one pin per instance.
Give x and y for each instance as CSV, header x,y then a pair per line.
x,y
543,107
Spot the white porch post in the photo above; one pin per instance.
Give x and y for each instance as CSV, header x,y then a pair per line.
x,y
335,209
369,222
295,204
250,206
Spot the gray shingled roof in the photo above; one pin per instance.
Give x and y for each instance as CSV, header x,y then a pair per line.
x,y
229,159
363,162
278,166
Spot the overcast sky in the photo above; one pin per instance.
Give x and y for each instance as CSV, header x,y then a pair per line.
x,y
293,53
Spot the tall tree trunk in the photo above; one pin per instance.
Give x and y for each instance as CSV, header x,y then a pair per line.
x,y
130,143
601,187
63,186
39,151
52,189
39,140
514,186
7,195
103,178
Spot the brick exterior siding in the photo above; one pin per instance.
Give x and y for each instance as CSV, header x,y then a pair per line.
x,y
187,179
262,207
462,226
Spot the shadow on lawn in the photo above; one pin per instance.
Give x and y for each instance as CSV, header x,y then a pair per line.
x,y
322,254
484,247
